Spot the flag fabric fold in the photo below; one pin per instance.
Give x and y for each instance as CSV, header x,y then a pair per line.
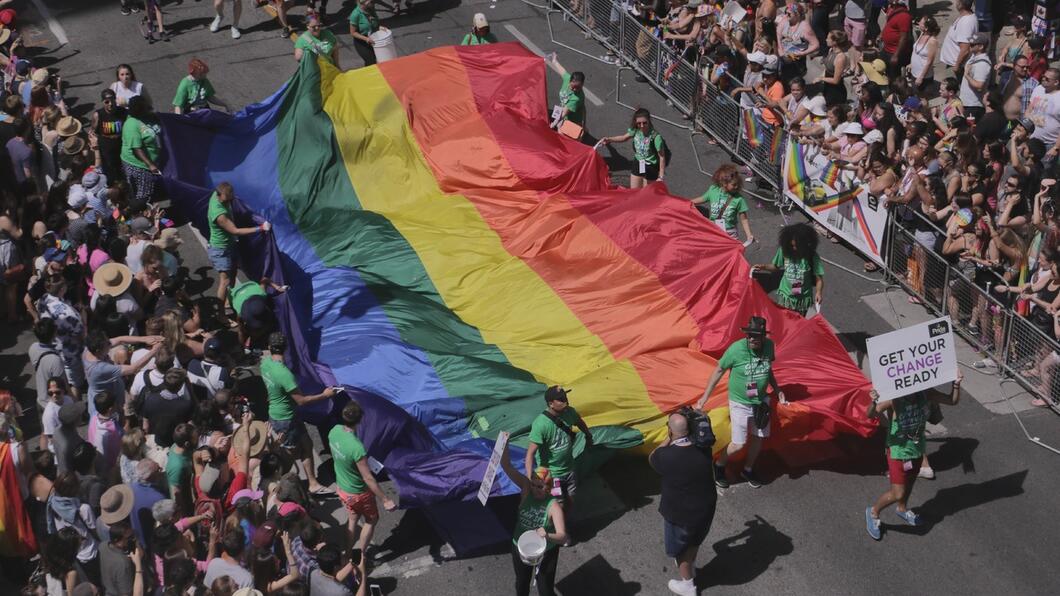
x,y
450,257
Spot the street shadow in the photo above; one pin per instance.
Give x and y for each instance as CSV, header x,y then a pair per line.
x,y
950,501
412,533
597,576
181,26
741,558
855,341
198,285
954,451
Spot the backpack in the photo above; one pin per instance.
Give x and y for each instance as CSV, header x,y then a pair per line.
x,y
665,152
700,431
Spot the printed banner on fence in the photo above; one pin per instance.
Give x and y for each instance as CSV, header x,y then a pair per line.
x,y
835,198
912,359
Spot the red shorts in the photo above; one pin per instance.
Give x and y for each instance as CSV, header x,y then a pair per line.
x,y
896,470
362,504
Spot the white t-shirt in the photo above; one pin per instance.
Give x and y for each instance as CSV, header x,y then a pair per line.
x,y
123,95
49,420
133,254
978,67
962,31
1044,111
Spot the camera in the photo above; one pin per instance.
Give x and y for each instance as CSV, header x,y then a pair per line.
x,y
700,432
241,406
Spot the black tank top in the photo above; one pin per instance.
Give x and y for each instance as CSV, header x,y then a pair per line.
x,y
110,123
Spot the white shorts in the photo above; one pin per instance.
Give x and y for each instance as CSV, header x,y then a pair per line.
x,y
741,417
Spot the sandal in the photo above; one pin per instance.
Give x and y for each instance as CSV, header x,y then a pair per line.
x,y
870,267
915,300
1039,402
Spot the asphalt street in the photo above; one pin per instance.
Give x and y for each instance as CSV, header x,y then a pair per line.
x,y
987,514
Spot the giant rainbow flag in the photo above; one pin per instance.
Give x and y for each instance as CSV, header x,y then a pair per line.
x,y
450,256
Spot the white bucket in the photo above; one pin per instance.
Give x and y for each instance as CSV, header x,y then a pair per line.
x,y
531,547
383,43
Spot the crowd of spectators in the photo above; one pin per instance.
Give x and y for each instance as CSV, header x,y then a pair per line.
x,y
955,129
171,457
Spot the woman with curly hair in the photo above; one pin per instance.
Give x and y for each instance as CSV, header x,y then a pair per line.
x,y
58,556
724,205
802,284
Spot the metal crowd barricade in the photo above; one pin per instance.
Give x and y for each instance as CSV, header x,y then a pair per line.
x,y
1033,358
1013,342
1020,348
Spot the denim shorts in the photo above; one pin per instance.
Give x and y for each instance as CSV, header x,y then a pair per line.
x,y
292,431
221,258
679,538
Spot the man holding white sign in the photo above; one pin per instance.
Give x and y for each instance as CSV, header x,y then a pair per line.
x,y
905,448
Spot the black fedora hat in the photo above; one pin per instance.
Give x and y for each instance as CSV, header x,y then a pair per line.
x,y
755,326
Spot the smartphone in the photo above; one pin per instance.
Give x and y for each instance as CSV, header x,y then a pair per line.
x,y
375,590
355,557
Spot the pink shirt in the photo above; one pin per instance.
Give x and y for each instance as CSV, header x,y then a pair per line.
x,y
95,261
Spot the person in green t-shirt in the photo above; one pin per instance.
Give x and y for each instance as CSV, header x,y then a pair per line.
x,y
363,23
905,447
649,150
223,233
750,365
552,442
480,32
195,92
178,465
538,511
319,41
140,148
724,205
284,396
802,284
358,489
250,301
572,98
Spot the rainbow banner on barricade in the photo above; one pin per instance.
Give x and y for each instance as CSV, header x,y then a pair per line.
x,y
450,257
814,182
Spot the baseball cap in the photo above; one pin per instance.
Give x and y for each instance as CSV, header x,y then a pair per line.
x,y
757,57
142,225
816,105
556,392
246,493
264,535
54,254
70,414
912,103
480,21
288,508
212,347
980,39
1028,125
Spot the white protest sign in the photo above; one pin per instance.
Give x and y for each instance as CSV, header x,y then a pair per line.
x,y
912,359
491,468
732,14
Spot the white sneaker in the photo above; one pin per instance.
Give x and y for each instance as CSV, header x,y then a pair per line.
x,y
215,25
926,473
682,587
235,33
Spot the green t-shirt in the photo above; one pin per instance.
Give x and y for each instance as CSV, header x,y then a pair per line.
x,y
572,100
137,134
347,450
905,435
744,367
554,445
192,94
279,383
646,148
321,46
241,292
178,469
715,200
797,284
365,23
219,238
533,514
478,40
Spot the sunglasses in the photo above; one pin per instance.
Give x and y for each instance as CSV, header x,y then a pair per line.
x,y
54,392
